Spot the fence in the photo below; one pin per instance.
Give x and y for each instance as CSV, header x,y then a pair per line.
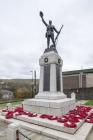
x,y
18,133
81,93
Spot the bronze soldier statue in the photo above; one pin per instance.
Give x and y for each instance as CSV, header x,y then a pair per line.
x,y
50,31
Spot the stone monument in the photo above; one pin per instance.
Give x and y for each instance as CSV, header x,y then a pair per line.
x,y
50,99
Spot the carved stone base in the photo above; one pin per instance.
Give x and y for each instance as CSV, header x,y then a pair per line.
x,y
52,48
46,106
50,95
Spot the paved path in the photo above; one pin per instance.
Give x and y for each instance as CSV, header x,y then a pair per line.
x,y
3,130
90,137
32,135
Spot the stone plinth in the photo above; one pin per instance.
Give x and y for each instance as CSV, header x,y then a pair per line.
x,y
50,99
53,107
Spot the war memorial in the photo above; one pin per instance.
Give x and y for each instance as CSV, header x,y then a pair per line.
x,y
50,115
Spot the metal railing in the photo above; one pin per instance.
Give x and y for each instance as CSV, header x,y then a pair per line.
x,y
20,133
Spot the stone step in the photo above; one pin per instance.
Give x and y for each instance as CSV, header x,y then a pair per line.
x,y
32,135
25,132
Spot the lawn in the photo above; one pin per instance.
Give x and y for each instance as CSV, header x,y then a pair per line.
x,y
89,102
3,105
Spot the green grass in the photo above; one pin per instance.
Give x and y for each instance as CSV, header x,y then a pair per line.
x,y
13,100
3,105
89,102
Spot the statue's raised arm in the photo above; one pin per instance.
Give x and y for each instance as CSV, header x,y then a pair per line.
x,y
41,15
50,30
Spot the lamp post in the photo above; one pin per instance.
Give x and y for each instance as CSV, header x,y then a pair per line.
x,y
32,83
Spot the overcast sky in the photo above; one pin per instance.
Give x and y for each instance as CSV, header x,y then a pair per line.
x,y
22,39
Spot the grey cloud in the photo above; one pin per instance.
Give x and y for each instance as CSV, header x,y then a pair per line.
x,y
22,39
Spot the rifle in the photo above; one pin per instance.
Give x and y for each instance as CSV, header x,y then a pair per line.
x,y
58,33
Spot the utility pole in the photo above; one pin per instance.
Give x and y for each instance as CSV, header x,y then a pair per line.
x,y
33,84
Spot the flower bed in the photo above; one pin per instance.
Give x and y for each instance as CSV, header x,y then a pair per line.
x,y
70,120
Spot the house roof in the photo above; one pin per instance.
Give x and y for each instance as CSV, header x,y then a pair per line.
x,y
78,71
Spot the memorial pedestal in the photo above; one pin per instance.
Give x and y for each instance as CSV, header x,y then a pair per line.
x,y
53,107
50,99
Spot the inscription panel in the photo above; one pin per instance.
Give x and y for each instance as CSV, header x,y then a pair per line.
x,y
46,78
58,77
